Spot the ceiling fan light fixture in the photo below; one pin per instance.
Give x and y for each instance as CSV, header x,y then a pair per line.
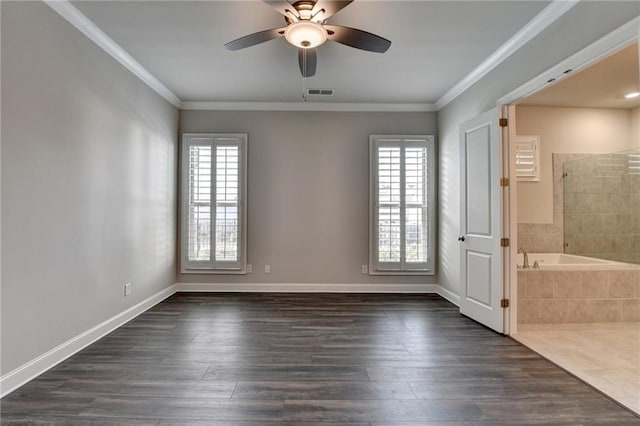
x,y
305,34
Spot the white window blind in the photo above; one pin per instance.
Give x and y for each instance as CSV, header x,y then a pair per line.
x,y
416,226
388,209
227,207
527,154
214,188
402,204
199,217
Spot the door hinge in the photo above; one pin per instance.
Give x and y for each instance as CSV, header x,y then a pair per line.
x,y
503,122
504,242
504,181
504,303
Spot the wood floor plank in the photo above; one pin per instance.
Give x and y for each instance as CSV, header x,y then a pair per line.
x,y
265,357
286,373
321,390
127,370
511,389
550,409
146,387
186,408
210,422
12,420
249,359
47,404
387,360
382,410
451,373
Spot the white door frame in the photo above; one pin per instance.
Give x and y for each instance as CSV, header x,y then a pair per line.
x,y
611,43
509,216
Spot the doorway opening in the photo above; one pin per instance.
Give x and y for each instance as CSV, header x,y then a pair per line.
x,y
574,162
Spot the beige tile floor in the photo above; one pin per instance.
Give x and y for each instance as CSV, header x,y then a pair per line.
x,y
605,355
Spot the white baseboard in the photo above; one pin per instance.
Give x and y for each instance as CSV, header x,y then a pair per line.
x,y
21,375
306,288
449,295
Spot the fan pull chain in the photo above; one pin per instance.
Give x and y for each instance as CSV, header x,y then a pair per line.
x,y
304,72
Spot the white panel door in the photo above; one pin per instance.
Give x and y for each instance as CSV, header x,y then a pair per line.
x,y
480,226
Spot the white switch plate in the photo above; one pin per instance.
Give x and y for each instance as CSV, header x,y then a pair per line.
x,y
249,269
365,269
267,269
127,289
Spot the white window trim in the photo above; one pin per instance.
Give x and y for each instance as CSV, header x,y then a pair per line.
x,y
534,140
374,142
184,200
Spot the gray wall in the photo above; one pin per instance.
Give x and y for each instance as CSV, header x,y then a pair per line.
x,y
582,25
308,191
88,184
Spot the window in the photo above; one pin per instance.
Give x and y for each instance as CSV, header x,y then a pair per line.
x,y
213,203
402,202
528,158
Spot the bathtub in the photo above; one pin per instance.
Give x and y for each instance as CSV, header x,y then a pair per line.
x,y
576,289
570,262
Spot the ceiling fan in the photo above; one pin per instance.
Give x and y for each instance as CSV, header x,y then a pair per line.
x,y
307,29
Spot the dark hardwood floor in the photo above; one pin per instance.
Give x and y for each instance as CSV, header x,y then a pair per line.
x,y
322,359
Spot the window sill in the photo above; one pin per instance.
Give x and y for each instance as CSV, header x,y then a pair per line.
x,y
403,273
213,272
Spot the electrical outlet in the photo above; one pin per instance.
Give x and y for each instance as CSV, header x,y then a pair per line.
x,y
249,269
127,289
365,269
267,269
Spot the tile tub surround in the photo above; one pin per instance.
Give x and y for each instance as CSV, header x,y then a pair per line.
x,y
602,208
578,296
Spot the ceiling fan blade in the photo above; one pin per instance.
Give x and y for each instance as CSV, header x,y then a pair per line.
x,y
284,7
329,7
255,38
307,59
358,38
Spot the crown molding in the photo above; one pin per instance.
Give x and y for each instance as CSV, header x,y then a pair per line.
x,y
537,25
76,18
309,106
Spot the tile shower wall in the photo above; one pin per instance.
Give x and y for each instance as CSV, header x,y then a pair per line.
x,y
548,237
602,208
578,296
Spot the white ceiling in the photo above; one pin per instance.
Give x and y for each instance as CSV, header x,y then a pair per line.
x,y
435,45
602,85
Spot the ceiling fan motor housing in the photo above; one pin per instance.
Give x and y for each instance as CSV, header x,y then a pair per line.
x,y
304,12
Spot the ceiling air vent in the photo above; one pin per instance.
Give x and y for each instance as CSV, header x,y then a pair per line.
x,y
320,92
